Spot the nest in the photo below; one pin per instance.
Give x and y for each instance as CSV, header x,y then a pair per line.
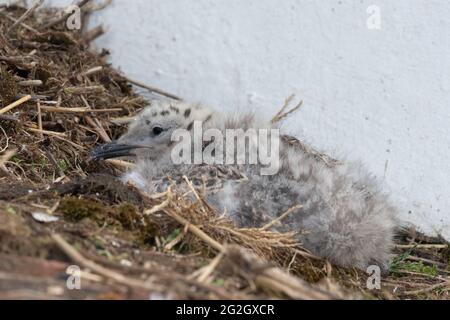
x,y
59,99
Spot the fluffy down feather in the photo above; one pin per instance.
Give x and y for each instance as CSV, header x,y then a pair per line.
x,y
344,216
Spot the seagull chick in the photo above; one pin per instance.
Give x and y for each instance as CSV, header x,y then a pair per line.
x,y
336,209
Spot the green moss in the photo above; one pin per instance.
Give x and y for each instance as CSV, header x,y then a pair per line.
x,y
147,233
43,74
416,267
219,282
123,217
16,160
419,267
63,165
398,261
44,162
8,88
128,216
10,210
75,209
172,236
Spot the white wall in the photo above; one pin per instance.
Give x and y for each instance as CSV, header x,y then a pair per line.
x,y
378,95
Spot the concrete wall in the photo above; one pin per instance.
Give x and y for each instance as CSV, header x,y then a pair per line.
x,y
374,75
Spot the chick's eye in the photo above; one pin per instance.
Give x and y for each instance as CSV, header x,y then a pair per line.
x,y
157,131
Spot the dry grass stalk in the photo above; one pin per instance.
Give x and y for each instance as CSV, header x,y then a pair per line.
x,y
31,83
281,217
47,133
73,254
153,89
78,110
282,113
92,71
97,127
173,214
205,273
6,140
21,23
40,118
5,158
121,120
428,289
15,104
124,165
84,90
36,4
94,34
64,15
422,246
272,278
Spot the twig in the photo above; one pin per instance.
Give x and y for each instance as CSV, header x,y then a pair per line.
x,y
64,16
78,110
34,97
421,246
153,89
83,90
169,246
95,124
101,132
9,118
18,60
15,104
121,164
121,120
36,4
209,269
5,158
197,196
47,133
192,228
290,288
287,102
428,289
282,114
273,278
195,230
55,164
22,23
291,263
30,83
284,215
92,71
7,140
73,254
93,34
419,274
428,261
308,255
40,118
77,146
98,7
158,207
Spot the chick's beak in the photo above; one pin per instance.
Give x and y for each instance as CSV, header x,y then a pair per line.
x,y
113,150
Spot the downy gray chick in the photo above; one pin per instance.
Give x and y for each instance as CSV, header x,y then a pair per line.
x,y
343,217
